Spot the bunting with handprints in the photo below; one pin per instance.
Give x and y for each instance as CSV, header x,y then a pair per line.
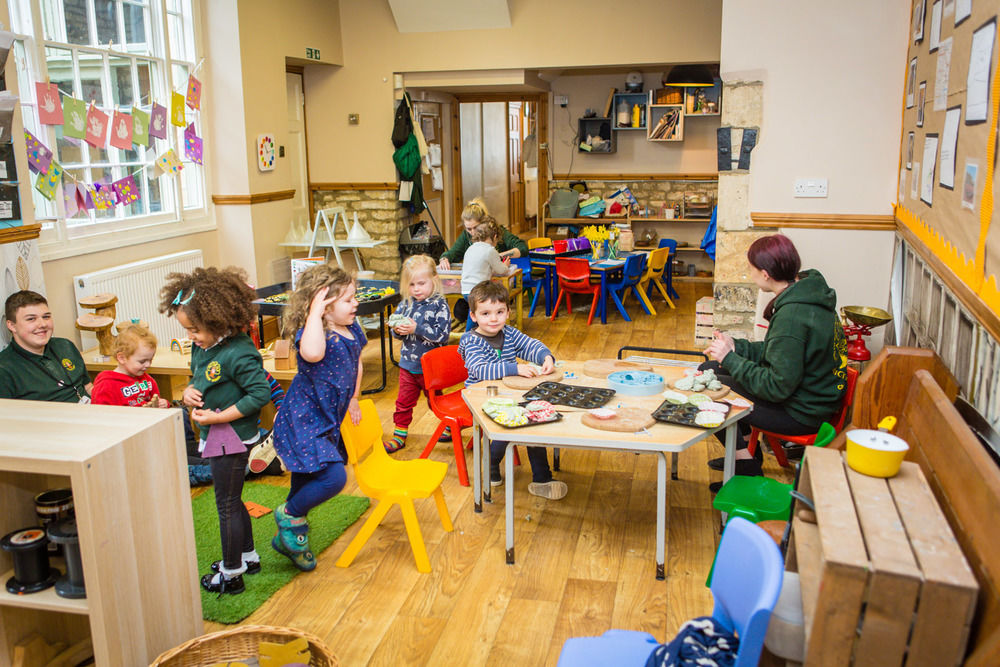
x,y
74,118
127,190
140,127
121,131
192,145
97,127
49,108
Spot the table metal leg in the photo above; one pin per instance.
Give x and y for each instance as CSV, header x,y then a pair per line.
x,y
477,471
603,303
661,514
381,340
508,482
673,465
729,461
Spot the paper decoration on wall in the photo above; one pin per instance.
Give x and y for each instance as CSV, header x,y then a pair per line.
x,y
127,190
265,152
49,109
71,202
97,127
158,121
83,200
74,118
103,197
167,163
193,99
969,181
927,169
192,145
46,183
949,145
140,127
977,85
121,131
942,75
39,157
177,109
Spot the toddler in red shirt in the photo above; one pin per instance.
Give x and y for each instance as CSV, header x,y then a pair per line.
x,y
130,384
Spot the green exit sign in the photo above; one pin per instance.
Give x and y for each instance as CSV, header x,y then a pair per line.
x,y
313,54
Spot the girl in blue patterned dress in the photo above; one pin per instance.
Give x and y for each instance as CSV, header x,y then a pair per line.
x,y
328,341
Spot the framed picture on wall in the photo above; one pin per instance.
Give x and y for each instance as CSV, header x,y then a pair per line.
x,y
911,83
919,9
921,97
909,151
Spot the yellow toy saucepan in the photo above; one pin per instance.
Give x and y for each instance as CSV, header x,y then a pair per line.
x,y
875,453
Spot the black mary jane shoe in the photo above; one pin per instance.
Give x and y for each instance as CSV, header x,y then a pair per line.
x,y
253,566
748,467
233,586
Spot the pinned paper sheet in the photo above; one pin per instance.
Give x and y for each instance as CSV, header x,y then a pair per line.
x,y
121,131
437,178
434,154
97,127
74,118
193,99
49,109
46,183
167,163
127,190
177,109
39,157
70,201
158,121
140,127
192,145
103,196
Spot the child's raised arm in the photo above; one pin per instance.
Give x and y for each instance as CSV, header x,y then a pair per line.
x,y
312,344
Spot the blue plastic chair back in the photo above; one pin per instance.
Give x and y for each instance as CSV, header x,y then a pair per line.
x,y
524,263
632,272
746,584
668,269
669,243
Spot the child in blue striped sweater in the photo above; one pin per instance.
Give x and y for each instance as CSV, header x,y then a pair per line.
x,y
491,352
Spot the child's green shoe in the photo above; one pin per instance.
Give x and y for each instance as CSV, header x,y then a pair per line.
x,y
304,560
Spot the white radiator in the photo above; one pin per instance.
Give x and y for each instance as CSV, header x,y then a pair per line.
x,y
137,286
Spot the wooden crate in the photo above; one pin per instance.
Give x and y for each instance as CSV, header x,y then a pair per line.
x,y
884,582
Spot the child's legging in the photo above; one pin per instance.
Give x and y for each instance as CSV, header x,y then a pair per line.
x,y
310,489
234,521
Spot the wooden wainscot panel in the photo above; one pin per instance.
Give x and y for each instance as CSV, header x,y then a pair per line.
x,y
256,198
885,223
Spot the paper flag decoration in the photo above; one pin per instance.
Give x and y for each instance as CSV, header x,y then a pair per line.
x,y
192,145
127,190
140,127
97,127
103,196
70,200
222,439
49,108
74,118
167,163
121,131
39,157
85,196
46,183
194,93
158,121
177,109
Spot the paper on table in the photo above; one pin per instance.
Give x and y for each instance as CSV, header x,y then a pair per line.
x,y
949,140
978,84
927,169
942,75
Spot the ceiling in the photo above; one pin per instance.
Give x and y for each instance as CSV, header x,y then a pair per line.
x,y
445,15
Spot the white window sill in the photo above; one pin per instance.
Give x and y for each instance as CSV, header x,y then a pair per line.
x,y
54,250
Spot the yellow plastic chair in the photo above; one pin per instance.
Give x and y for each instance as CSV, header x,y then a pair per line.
x,y
391,482
539,242
654,273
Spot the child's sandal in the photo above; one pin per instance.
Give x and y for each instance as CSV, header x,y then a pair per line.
x,y
393,446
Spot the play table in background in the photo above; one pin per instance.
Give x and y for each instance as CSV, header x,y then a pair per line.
x,y
601,268
569,432
451,280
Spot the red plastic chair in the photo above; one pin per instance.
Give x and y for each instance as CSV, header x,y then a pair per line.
x,y
574,278
443,368
774,439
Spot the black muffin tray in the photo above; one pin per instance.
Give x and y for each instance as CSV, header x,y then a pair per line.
x,y
567,394
556,417
677,414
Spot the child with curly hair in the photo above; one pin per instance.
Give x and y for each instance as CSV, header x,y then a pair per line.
x,y
228,386
321,321
129,383
426,324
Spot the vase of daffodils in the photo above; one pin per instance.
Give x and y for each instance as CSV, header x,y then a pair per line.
x,y
598,237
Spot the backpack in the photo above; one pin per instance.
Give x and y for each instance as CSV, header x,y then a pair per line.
x,y
402,126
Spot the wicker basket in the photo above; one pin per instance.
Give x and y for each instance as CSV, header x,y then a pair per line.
x,y
240,643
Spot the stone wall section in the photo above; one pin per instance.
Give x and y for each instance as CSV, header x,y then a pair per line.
x,y
650,194
383,218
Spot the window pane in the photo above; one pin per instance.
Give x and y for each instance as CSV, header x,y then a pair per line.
x,y
191,183
68,149
60,65
178,48
154,193
91,75
180,79
121,81
173,5
77,27
52,23
135,28
146,71
107,22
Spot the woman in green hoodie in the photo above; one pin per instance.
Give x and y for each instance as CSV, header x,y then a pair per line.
x,y
796,376
509,245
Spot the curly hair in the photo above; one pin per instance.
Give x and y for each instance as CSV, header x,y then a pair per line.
x,y
311,281
488,230
218,301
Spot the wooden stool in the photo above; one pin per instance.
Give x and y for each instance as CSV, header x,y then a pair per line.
x,y
100,321
101,304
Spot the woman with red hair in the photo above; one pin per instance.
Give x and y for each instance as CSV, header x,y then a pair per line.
x,y
796,376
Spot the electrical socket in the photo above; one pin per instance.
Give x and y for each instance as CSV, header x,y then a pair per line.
x,y
561,100
810,187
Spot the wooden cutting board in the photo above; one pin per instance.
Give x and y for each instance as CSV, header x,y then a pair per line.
x,y
714,395
627,420
602,368
518,382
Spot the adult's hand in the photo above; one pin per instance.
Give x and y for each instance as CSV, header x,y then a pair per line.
x,y
720,346
444,264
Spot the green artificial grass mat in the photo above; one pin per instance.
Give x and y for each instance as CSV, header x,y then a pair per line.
x,y
326,522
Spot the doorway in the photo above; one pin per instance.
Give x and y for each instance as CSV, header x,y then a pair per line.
x,y
298,157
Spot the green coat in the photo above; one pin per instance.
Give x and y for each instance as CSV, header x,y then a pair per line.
x,y
231,373
456,252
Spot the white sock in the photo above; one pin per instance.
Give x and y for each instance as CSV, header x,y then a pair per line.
x,y
251,557
229,574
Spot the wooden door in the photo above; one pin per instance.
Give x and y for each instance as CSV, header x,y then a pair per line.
x,y
515,166
297,153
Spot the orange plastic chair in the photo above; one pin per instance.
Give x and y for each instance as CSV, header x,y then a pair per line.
x,y
774,439
391,482
654,274
574,278
443,368
539,242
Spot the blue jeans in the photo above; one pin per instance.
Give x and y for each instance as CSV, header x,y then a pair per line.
x,y
310,489
234,520
537,456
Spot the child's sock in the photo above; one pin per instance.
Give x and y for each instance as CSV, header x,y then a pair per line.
x,y
397,441
445,435
251,557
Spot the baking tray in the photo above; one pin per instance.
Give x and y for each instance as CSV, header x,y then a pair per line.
x,y
678,414
573,396
556,418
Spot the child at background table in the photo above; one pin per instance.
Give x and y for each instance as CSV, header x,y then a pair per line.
x,y
482,261
491,352
427,326
129,383
328,341
472,216
228,386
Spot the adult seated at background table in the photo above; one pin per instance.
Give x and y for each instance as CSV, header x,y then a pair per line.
x,y
37,366
473,214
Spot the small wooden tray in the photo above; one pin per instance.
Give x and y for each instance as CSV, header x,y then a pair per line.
x,y
626,420
602,368
518,382
714,395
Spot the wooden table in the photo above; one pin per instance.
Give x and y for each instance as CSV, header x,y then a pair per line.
x,y
451,280
569,432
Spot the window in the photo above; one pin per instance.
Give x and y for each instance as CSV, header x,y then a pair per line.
x,y
120,55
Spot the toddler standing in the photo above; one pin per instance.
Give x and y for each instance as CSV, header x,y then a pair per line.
x,y
482,261
328,341
129,383
228,386
427,326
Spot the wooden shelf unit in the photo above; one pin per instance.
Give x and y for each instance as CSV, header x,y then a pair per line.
x,y
128,472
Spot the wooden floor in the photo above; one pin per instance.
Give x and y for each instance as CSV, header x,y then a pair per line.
x,y
584,564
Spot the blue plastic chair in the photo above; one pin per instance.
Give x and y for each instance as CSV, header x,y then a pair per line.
x,y
746,584
668,272
537,284
632,272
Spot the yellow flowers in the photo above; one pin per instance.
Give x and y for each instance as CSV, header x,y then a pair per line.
x,y
596,234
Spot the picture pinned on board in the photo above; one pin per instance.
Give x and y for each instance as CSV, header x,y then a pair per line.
x,y
969,183
921,98
919,9
909,151
911,83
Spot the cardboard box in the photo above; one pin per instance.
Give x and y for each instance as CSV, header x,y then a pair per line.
x,y
705,304
284,355
300,265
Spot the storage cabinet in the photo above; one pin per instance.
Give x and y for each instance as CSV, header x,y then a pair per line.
x,y
666,122
705,101
629,101
128,472
596,127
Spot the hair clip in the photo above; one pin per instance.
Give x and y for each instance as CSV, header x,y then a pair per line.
x,y
177,299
